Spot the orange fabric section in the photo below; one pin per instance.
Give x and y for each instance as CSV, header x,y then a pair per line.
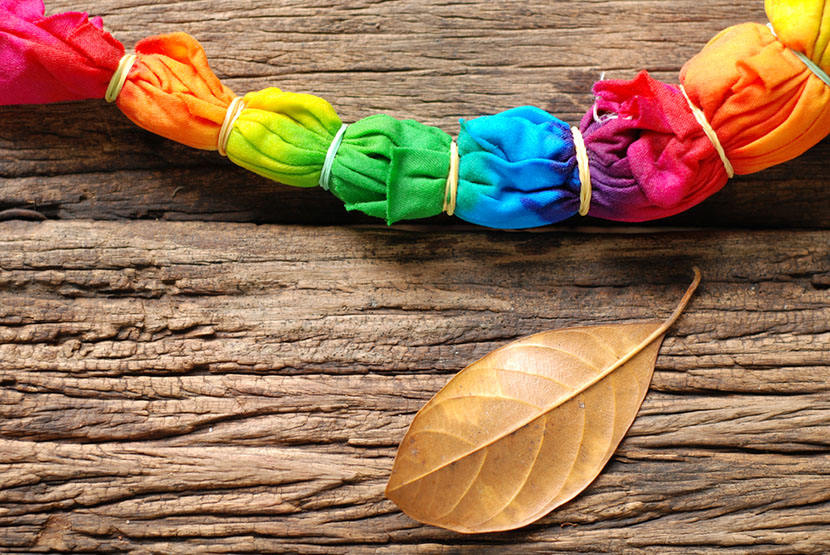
x,y
765,105
171,91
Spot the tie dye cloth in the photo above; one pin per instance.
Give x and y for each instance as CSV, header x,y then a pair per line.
x,y
755,96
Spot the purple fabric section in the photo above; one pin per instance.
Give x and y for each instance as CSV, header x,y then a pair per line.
x,y
649,156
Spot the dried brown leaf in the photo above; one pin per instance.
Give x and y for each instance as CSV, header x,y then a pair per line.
x,y
526,428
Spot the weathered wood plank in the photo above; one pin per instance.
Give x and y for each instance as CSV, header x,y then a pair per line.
x,y
432,61
181,388
196,387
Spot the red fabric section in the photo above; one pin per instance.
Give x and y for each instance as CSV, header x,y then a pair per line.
x,y
66,56
649,156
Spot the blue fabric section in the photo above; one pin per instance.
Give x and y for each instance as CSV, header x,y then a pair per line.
x,y
518,170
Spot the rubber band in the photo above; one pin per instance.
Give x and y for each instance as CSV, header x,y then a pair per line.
x,y
325,174
234,109
451,189
710,133
119,77
582,162
811,65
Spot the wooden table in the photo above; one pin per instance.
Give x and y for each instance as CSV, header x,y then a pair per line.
x,y
197,360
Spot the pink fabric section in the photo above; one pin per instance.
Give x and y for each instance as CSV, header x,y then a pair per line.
x,y
66,56
649,156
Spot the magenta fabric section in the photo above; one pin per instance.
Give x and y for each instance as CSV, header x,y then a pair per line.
x,y
649,156
66,56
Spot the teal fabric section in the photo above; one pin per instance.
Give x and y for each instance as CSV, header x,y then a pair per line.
x,y
518,170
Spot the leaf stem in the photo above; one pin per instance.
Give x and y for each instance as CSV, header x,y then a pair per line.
x,y
681,306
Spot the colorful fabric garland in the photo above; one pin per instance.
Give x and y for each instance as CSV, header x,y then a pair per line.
x,y
755,96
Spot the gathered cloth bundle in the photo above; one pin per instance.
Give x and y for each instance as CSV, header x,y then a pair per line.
x,y
755,96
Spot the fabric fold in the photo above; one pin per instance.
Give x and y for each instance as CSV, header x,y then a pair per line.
x,y
803,25
283,136
392,169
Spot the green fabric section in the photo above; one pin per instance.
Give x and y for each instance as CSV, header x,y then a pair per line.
x,y
392,169
283,136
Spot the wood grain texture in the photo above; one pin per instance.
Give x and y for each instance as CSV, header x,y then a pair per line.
x,y
429,60
215,386
208,387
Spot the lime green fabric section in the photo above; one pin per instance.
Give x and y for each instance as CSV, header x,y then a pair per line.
x,y
392,169
283,136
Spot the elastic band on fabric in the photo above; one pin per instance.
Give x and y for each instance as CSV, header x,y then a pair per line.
x,y
325,174
234,109
583,164
451,190
119,77
710,133
811,65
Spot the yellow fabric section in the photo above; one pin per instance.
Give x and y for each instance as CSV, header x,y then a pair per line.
x,y
283,136
803,25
